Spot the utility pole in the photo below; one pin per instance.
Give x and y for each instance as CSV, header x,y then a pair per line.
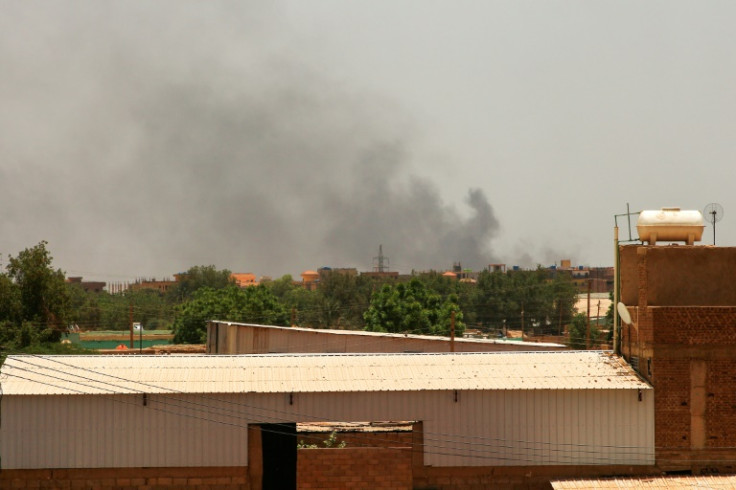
x,y
559,329
130,321
522,321
452,331
587,320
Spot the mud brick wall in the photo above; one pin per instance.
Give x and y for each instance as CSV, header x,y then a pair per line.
x,y
513,477
359,439
692,350
365,468
721,404
226,478
715,325
672,403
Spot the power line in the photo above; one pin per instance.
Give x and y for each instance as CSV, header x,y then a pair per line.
x,y
442,439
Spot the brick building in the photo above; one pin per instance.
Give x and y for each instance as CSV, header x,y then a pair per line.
x,y
88,286
682,340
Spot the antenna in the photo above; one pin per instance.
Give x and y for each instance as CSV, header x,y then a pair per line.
x,y
380,263
713,213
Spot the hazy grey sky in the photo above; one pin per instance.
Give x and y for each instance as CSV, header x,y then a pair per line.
x,y
142,138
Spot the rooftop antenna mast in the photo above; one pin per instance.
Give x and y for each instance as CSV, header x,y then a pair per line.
x,y
380,263
713,213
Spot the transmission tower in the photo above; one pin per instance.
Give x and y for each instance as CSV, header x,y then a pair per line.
x,y
380,263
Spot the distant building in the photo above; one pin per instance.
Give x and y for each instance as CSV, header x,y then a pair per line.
x,y
161,286
496,268
244,279
345,271
89,286
310,280
597,279
381,275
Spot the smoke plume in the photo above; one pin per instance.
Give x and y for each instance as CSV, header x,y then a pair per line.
x,y
145,140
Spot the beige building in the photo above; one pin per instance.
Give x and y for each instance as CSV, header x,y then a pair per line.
x,y
244,338
477,418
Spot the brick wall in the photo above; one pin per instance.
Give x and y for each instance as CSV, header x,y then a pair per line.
x,y
721,404
229,478
693,370
365,468
360,439
715,325
513,477
672,403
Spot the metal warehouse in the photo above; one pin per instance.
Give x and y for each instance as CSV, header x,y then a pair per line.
x,y
530,409
247,338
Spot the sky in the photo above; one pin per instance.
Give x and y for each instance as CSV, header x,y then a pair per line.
x,y
140,139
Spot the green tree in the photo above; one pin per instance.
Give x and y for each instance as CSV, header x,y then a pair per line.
x,y
412,307
579,332
197,277
488,300
44,299
11,309
254,304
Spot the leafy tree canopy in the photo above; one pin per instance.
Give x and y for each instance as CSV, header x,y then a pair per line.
x,y
412,307
197,277
35,293
255,304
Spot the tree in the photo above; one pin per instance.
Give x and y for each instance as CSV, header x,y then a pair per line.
x,y
579,332
44,300
412,308
11,309
199,276
488,300
252,304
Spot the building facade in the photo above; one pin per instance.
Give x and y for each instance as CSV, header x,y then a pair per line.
x,y
477,418
682,340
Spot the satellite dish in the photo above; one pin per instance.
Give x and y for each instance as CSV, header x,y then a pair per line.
x,y
713,213
623,313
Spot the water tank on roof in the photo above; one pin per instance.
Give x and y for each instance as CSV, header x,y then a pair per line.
x,y
670,225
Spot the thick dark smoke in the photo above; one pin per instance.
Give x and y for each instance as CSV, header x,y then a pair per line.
x,y
145,140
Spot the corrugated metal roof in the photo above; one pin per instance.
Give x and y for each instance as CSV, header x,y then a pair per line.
x,y
654,482
288,373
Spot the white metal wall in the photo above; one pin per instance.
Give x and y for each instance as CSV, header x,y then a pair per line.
x,y
100,431
483,428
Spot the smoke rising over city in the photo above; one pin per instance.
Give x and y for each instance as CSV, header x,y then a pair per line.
x,y
142,138
143,141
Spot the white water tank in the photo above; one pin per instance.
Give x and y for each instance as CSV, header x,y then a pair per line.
x,y
670,225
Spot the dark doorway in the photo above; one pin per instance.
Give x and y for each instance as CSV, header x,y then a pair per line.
x,y
278,442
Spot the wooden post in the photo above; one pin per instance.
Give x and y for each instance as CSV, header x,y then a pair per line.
x,y
587,320
130,318
452,331
522,321
616,333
